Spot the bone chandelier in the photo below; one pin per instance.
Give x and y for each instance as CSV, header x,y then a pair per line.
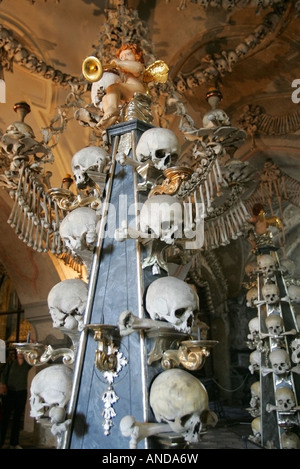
x,y
209,181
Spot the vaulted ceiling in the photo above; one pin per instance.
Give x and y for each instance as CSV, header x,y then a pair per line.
x,y
250,50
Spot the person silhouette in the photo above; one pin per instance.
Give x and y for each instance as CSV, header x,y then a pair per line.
x,y
13,389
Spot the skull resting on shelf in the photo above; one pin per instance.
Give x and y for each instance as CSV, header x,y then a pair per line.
x,y
161,217
159,145
78,229
51,387
173,300
280,361
67,303
270,293
90,158
181,400
274,324
266,264
285,399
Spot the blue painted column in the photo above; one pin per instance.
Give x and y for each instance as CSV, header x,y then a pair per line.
x,y
116,285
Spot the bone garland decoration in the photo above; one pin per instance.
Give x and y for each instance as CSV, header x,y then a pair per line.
x,y
109,398
35,216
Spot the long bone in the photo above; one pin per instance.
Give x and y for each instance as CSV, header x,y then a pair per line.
x,y
129,323
138,431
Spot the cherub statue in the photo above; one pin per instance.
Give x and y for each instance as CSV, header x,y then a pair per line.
x,y
135,76
131,62
261,238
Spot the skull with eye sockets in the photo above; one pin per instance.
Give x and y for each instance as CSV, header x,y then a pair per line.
x,y
159,145
173,300
181,400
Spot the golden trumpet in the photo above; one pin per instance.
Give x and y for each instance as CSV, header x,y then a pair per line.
x,y
93,69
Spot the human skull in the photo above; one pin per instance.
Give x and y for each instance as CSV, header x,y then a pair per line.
x,y
256,427
222,66
255,360
251,296
49,388
251,269
162,217
280,361
294,293
255,394
90,158
266,264
285,399
210,72
215,118
270,293
173,300
232,58
290,440
79,228
181,400
159,145
295,347
17,139
67,303
241,49
253,326
251,40
274,324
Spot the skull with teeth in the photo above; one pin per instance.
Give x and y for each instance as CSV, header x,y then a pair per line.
x,y
274,324
181,400
280,361
270,293
266,264
173,300
159,145
285,399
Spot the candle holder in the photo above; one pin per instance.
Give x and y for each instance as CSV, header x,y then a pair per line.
x,y
191,354
108,341
38,354
174,178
